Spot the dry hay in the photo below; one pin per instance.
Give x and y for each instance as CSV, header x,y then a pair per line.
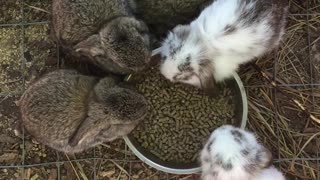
x,y
275,101
284,95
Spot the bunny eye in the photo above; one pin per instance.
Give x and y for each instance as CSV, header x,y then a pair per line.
x,y
163,58
143,31
122,38
184,76
185,67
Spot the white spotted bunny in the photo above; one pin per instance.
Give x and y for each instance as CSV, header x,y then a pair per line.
x,y
225,35
234,154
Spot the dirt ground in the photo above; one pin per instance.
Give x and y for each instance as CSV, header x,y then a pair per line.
x,y
275,113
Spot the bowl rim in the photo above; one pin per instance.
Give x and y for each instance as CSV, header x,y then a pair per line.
x,y
197,169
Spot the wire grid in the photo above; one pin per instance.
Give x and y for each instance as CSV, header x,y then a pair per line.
x,y
59,162
312,85
126,159
123,162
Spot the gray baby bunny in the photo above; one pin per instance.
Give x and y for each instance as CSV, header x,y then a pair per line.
x,y
71,112
103,30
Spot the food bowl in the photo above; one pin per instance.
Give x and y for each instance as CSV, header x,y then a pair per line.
x,y
143,154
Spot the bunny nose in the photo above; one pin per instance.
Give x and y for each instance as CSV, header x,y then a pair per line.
x,y
174,80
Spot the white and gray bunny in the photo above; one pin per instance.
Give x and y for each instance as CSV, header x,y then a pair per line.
x,y
225,35
234,154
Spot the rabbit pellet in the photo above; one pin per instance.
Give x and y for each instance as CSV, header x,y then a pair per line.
x,y
180,118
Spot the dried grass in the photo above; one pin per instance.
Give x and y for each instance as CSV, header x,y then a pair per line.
x,y
284,97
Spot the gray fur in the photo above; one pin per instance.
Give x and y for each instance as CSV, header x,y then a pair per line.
x,y
103,30
70,112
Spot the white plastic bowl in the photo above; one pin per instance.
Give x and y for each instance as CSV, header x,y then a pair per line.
x,y
153,161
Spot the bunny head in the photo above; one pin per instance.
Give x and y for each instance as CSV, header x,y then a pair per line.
x,y
113,112
121,46
225,35
125,103
184,59
233,154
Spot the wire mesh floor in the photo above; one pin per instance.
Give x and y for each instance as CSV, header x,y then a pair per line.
x,y
283,92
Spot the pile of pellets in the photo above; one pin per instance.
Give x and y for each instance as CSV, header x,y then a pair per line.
x,y
180,118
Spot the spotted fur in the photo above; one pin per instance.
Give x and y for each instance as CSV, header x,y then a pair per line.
x,y
233,154
227,33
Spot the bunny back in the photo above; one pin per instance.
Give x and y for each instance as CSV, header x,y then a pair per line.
x,y
54,106
236,31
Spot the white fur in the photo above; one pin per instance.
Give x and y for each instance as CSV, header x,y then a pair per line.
x,y
170,68
270,173
223,145
207,40
236,48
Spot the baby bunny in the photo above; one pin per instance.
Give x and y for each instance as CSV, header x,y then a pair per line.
x,y
105,31
226,34
234,154
70,112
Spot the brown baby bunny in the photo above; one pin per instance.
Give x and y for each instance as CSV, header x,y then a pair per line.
x,y
105,31
163,15
71,112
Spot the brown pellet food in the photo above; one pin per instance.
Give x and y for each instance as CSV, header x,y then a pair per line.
x,y
180,117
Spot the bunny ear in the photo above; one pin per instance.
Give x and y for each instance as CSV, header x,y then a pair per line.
x,y
91,46
83,133
78,138
182,31
75,140
208,83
